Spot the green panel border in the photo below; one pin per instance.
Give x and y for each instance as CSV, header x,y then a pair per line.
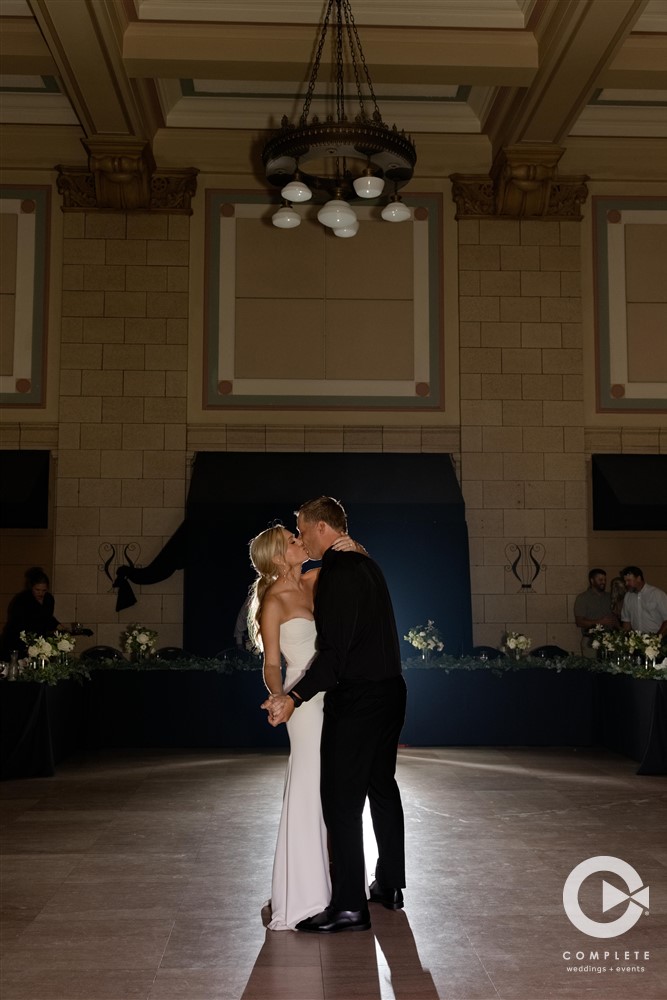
x,y
601,206
42,198
213,400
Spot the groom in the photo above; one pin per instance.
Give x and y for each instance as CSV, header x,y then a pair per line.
x,y
358,665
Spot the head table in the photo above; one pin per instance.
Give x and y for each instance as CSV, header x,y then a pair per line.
x,y
451,702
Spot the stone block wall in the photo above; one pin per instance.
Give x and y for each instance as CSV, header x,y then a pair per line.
x,y
523,469
122,442
121,458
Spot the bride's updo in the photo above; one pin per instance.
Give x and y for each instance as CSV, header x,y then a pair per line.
x,y
263,550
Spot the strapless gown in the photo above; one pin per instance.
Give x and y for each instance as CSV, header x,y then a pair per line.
x,y
300,886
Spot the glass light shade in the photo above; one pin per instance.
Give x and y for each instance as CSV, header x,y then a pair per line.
x,y
346,231
286,218
296,191
336,214
368,186
396,211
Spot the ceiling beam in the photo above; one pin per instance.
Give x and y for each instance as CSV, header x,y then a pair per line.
x,y
284,52
578,40
23,50
84,41
641,64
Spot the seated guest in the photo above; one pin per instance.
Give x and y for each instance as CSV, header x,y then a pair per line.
x,y
644,606
32,610
592,608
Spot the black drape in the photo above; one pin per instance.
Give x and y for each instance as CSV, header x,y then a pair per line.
x,y
407,509
171,557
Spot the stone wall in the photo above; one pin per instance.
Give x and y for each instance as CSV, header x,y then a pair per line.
x,y
123,439
122,467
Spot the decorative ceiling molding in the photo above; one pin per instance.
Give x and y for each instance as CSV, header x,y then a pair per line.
x,y
577,44
534,70
425,13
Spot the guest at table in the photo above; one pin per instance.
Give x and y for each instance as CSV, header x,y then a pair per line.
x,y
592,608
644,606
617,593
32,610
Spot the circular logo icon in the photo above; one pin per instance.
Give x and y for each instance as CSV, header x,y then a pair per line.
x,y
636,896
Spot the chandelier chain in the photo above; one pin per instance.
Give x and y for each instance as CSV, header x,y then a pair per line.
x,y
340,82
345,25
347,151
303,120
353,60
351,23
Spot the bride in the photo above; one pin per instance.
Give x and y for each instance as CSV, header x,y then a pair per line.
x,y
281,620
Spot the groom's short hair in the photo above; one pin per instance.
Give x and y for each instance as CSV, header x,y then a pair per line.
x,y
324,509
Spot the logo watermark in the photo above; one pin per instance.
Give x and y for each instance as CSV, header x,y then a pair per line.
x,y
637,897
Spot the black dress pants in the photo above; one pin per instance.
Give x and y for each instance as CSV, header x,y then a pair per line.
x,y
362,725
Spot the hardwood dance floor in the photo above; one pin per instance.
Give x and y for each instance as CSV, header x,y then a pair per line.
x,y
141,876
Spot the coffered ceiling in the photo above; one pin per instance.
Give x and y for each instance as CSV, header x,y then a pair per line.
x,y
202,80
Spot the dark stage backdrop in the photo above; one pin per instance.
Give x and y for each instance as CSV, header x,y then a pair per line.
x,y
407,509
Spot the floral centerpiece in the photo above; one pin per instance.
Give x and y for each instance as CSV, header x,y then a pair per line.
x,y
603,640
516,644
42,647
627,644
647,644
426,638
139,641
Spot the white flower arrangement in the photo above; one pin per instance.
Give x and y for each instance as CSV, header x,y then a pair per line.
x,y
139,639
425,637
516,643
625,643
602,638
47,647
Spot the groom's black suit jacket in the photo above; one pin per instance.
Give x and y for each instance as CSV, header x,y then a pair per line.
x,y
356,631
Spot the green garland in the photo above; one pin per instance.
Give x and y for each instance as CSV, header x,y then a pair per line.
x,y
228,665
507,665
54,671
81,669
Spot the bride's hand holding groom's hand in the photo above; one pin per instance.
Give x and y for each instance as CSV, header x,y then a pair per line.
x,y
279,707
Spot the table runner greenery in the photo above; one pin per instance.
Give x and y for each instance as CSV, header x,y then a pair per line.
x,y
234,663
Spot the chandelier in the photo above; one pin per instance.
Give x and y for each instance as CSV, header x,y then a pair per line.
x,y
343,157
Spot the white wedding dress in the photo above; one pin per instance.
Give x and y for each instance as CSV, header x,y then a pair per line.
x,y
301,886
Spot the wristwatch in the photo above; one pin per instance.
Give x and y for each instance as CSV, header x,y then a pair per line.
x,y
295,698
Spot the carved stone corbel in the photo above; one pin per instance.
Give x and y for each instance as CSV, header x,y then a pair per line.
x,y
524,177
524,185
122,169
121,177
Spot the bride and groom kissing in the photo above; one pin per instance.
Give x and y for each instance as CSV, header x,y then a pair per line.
x,y
343,699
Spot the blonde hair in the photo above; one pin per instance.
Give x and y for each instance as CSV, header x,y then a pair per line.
x,y
617,592
264,548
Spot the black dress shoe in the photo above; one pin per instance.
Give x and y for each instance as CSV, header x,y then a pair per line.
x,y
331,921
392,899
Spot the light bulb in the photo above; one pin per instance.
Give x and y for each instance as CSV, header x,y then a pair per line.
x,y
296,191
286,218
337,214
396,211
345,232
368,186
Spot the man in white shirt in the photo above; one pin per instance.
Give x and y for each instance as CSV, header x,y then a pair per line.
x,y
644,607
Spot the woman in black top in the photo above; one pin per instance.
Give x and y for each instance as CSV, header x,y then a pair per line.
x,y
32,610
